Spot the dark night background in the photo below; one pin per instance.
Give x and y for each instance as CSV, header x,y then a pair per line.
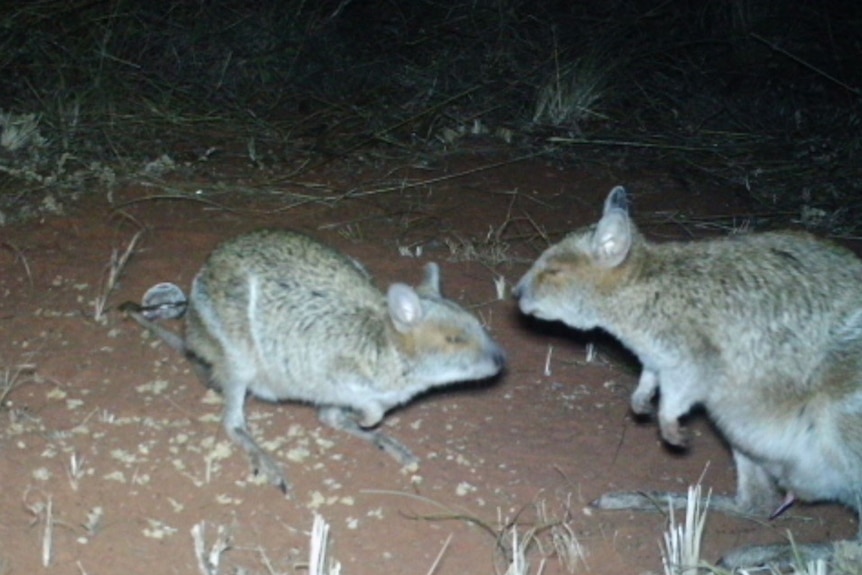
x,y
725,82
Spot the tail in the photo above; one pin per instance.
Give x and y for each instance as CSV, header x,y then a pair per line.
x,y
164,300
136,312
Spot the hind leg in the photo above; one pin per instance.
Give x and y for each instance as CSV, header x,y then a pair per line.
x,y
345,419
234,423
756,495
778,556
753,494
756,491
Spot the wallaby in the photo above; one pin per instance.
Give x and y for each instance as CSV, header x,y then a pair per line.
x,y
762,330
284,317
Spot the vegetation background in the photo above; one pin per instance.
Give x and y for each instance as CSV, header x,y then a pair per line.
x,y
760,97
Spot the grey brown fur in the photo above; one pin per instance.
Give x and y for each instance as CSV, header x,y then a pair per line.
x,y
763,330
284,317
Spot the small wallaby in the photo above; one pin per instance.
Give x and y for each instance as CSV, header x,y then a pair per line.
x,y
764,331
284,317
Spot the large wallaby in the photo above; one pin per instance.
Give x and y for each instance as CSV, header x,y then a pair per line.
x,y
762,330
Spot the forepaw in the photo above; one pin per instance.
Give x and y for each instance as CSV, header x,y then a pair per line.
x,y
642,404
642,397
673,433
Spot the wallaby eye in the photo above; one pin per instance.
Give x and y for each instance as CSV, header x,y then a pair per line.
x,y
456,339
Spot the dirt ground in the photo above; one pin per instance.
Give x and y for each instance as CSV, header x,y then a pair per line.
x,y
111,451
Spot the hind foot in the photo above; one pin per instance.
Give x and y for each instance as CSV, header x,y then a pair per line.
x,y
660,501
780,556
673,432
261,463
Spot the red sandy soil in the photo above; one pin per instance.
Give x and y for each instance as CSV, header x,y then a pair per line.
x,y
531,448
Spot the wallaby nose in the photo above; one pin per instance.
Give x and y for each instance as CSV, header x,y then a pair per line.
x,y
499,358
523,289
517,290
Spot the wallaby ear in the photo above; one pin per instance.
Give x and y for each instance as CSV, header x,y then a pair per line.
x,y
431,283
618,199
405,308
612,239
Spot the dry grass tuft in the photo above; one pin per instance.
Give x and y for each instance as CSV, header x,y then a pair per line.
x,y
517,541
319,563
13,377
114,270
488,250
548,538
20,257
573,92
681,552
208,560
42,509
682,547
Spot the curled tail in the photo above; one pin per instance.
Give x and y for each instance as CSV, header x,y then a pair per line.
x,y
162,301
